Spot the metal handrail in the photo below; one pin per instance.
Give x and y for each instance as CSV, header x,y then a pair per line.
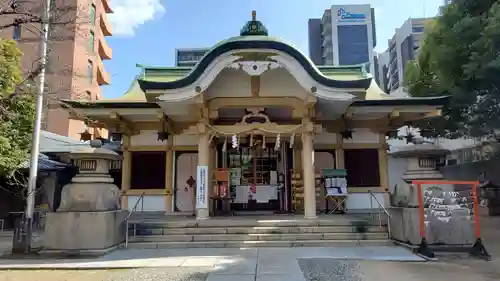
x,y
140,199
385,211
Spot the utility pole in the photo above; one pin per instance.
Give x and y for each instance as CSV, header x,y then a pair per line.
x,y
35,149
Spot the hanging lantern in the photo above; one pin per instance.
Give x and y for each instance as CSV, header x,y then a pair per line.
x,y
163,134
346,134
85,135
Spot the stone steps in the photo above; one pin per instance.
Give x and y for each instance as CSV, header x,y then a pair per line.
x,y
254,244
212,223
169,232
259,237
161,230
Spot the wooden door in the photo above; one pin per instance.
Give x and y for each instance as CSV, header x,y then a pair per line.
x,y
185,181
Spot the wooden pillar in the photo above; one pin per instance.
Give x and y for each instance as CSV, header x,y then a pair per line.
x,y
308,176
211,169
382,164
126,171
169,175
203,160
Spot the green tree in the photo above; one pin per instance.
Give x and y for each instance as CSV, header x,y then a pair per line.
x,y
460,57
17,112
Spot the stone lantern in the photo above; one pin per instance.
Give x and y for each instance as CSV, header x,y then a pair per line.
x,y
446,216
421,162
89,219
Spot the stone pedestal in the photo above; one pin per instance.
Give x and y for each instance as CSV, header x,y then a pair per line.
x,y
89,219
84,233
405,225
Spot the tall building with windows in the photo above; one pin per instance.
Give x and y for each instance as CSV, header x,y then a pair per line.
x,y
345,35
189,56
76,51
403,47
383,69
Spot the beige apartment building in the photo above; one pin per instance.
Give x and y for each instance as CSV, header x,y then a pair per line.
x,y
77,49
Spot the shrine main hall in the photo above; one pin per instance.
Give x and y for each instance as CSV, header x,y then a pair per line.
x,y
251,127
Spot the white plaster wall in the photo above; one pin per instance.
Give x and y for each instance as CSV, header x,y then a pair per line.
x,y
147,137
357,202
397,168
184,140
363,136
279,82
325,138
150,203
275,82
150,138
229,84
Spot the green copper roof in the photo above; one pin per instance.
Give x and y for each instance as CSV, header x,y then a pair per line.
x,y
253,35
165,74
253,27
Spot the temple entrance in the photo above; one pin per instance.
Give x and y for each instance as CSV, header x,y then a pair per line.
x,y
258,176
185,181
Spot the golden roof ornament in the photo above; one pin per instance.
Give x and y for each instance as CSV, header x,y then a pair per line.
x,y
254,27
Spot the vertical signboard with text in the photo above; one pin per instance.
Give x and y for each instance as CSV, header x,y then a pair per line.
x,y
202,187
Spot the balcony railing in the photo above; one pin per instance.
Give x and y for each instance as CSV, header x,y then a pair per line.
x,y
103,78
105,52
107,7
105,25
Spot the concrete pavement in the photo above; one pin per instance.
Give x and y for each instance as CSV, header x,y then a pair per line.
x,y
223,264
301,264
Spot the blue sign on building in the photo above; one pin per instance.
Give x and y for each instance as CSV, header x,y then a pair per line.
x,y
350,17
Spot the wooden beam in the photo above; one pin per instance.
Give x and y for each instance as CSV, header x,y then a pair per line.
x,y
124,126
394,114
435,113
245,102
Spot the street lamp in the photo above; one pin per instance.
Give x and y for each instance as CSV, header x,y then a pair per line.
x,y
35,148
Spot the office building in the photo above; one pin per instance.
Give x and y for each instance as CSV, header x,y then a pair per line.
x,y
189,57
345,35
76,53
403,47
382,71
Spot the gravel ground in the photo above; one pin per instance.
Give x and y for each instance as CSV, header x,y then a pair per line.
x,y
449,268
324,269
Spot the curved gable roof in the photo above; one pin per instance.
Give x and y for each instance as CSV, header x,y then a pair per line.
x,y
254,42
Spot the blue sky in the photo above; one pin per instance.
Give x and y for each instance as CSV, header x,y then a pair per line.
x,y
148,31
